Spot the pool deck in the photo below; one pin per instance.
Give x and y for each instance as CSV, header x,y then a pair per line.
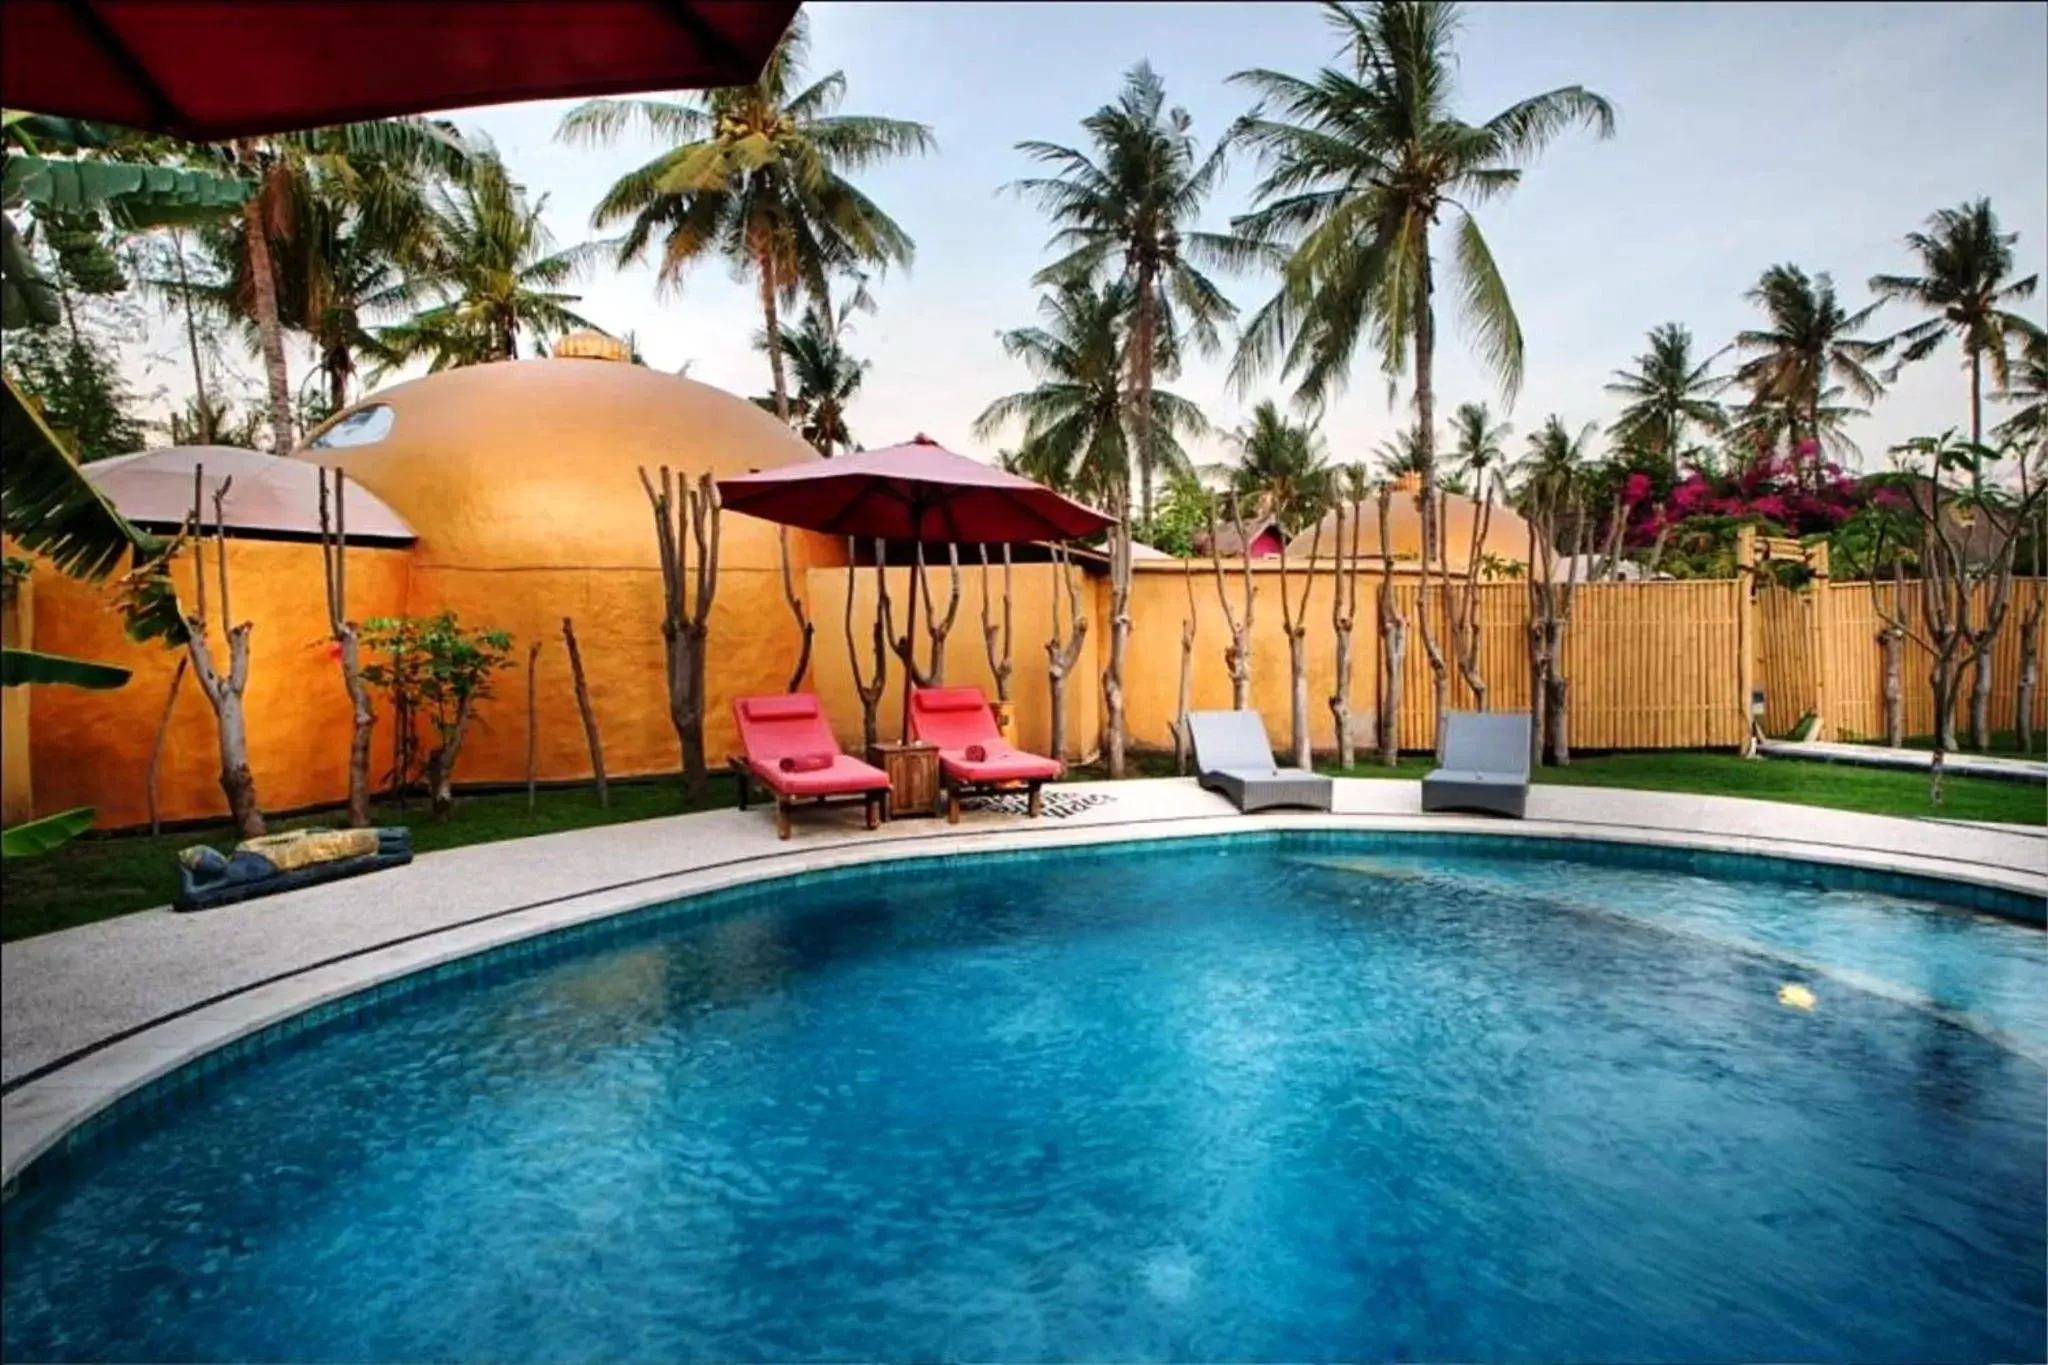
x,y
1907,760
89,1014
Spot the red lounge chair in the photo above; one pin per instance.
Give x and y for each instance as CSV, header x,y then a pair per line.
x,y
790,751
957,719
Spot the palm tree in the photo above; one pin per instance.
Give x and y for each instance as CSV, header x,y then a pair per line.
x,y
1810,340
1555,461
1967,265
757,175
827,376
379,164
2027,384
1400,455
1667,393
335,271
1281,468
493,265
1477,442
1362,164
1129,212
1075,435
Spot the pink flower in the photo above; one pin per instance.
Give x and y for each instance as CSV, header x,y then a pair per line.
x,y
1636,488
1772,508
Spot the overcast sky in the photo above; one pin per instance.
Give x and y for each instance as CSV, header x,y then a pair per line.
x,y
1747,134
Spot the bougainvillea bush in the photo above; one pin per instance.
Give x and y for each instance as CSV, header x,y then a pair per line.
x,y
1795,493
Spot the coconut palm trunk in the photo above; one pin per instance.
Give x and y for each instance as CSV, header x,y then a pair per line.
x,y
263,300
770,319
203,409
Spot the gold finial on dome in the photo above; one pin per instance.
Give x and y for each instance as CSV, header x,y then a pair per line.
x,y
588,345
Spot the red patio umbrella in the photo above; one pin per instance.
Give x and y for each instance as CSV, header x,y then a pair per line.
x,y
209,70
918,491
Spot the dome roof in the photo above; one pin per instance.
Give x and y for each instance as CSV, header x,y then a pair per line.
x,y
1507,535
153,488
535,463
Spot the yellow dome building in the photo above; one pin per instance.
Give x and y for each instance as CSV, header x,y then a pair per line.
x,y
522,482
508,493
1507,534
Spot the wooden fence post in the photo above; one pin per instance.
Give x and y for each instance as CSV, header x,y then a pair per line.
x,y
1745,631
1819,588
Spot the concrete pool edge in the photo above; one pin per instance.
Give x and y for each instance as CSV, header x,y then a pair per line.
x,y
42,1107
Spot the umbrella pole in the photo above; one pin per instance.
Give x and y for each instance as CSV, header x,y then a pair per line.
x,y
909,652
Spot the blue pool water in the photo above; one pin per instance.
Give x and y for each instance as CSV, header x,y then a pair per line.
x,y
1280,1100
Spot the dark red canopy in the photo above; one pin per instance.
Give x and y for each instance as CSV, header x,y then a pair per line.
x,y
214,69
916,491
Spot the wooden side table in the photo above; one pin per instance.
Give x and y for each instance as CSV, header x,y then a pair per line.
x,y
913,768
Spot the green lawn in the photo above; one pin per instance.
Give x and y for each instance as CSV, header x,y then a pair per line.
x,y
1876,791
96,878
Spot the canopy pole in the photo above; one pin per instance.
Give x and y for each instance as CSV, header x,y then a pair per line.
x,y
910,634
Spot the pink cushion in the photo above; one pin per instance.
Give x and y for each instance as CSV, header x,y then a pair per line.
x,y
1001,765
804,763
844,776
794,707
953,717
949,699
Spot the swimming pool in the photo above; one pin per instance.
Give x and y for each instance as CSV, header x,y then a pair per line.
x,y
1279,1097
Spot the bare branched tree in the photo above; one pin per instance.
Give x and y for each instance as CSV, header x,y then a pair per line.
x,y
223,689
589,712
1343,618
363,714
1113,721
532,723
1433,591
686,604
995,637
1063,649
156,748
1393,639
1294,624
804,626
1182,737
1951,570
871,685
1464,601
1550,506
1237,656
936,626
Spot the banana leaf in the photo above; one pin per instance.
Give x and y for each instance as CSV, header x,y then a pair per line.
x,y
40,836
22,666
48,504
135,194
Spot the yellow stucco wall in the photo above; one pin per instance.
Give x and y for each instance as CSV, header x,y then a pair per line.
x,y
92,748
17,787
966,654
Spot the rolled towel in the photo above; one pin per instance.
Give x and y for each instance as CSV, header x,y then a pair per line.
x,y
977,753
805,763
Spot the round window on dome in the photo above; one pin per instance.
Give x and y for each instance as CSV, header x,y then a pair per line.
x,y
364,427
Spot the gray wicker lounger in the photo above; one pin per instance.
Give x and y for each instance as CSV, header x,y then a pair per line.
x,y
1233,757
1486,765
